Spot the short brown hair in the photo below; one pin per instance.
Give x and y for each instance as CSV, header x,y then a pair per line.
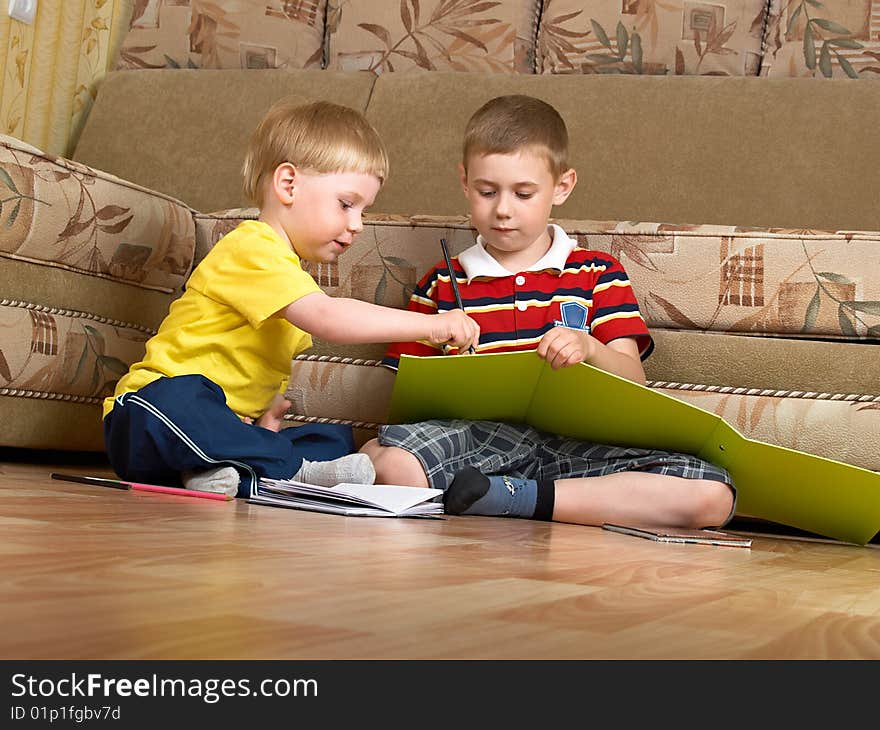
x,y
320,136
508,124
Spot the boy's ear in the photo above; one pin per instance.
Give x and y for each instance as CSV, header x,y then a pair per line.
x,y
564,185
462,174
284,182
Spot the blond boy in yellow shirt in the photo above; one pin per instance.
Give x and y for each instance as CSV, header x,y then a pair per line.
x,y
204,406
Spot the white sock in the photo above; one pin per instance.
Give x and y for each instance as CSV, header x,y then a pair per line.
x,y
222,479
353,468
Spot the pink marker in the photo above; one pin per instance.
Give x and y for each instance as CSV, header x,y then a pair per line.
x,y
118,484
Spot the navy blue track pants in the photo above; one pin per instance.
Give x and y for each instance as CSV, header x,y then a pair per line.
x,y
183,424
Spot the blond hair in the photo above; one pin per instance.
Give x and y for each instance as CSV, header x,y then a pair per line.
x,y
508,124
320,136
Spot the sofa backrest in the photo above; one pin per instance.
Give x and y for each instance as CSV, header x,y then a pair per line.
x,y
184,132
791,153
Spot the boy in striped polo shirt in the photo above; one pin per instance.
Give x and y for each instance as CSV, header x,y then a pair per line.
x,y
530,287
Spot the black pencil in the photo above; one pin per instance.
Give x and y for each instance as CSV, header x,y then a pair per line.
x,y
453,282
95,481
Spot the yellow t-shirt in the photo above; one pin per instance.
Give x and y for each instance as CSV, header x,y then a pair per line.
x,y
222,327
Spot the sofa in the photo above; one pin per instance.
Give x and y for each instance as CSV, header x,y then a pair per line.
x,y
759,273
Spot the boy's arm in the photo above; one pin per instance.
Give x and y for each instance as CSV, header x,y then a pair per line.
x,y
424,299
352,321
562,346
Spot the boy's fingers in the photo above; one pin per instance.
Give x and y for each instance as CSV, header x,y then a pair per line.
x,y
475,335
563,354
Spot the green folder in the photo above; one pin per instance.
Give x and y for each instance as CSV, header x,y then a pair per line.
x,y
773,483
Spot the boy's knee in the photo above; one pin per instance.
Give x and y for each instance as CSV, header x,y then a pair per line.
x,y
383,457
371,448
394,465
713,504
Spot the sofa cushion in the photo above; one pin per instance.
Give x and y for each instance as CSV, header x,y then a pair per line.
x,y
837,38
407,35
719,39
244,34
176,142
744,151
840,426
766,281
770,363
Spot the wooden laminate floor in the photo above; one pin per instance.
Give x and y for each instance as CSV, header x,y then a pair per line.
x,y
95,573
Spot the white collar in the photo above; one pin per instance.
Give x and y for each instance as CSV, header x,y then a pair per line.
x,y
477,261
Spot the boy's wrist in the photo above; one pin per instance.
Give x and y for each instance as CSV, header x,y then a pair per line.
x,y
589,345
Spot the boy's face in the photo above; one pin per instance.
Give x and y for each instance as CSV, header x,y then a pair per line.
x,y
325,211
510,198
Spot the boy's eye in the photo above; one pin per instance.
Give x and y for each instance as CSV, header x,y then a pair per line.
x,y
524,196
486,193
345,204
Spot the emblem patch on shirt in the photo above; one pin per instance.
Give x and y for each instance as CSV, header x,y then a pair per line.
x,y
574,316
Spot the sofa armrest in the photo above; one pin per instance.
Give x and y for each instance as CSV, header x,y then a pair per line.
x,y
62,214
89,265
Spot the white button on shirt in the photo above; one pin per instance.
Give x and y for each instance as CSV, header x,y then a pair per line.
x,y
522,306
520,280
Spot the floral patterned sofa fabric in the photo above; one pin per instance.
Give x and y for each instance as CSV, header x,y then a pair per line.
x,y
791,283
430,35
251,34
63,354
652,37
56,367
828,39
63,214
89,264
834,38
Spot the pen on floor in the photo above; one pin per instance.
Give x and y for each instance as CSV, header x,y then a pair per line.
x,y
119,484
453,281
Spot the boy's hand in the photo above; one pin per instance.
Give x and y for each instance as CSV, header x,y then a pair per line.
x,y
454,328
273,418
563,346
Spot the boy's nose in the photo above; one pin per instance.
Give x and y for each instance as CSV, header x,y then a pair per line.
x,y
355,224
502,207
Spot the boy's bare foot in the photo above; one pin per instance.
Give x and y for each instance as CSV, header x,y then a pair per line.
x,y
273,418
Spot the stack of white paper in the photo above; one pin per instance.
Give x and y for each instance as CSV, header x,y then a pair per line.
x,y
359,500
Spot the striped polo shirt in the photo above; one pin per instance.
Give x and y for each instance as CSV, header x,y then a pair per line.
x,y
568,286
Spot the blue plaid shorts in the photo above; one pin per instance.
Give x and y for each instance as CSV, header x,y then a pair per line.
x,y
520,451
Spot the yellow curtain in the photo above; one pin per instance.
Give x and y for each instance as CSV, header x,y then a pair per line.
x,y
49,69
